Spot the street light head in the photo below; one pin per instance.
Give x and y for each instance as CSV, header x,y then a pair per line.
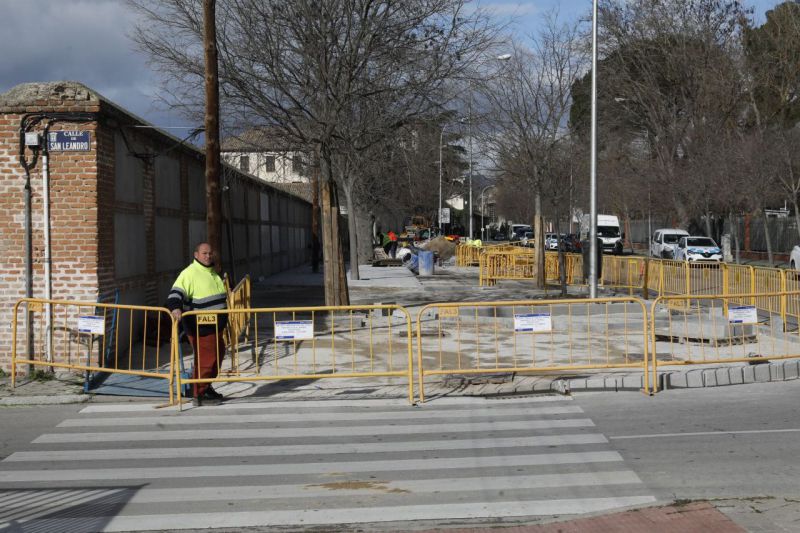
x,y
503,57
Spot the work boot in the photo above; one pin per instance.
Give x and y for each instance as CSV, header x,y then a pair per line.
x,y
205,399
211,393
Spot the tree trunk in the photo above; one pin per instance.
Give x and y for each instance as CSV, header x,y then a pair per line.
x,y
796,215
342,294
333,260
315,240
709,233
352,231
767,236
735,233
562,263
538,236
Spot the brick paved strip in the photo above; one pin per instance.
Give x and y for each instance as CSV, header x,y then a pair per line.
x,y
698,517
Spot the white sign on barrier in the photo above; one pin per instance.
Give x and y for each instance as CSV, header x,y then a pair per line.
x,y
294,330
96,325
745,314
533,322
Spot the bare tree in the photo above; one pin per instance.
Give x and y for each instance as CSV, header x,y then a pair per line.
x,y
669,78
529,103
315,67
772,54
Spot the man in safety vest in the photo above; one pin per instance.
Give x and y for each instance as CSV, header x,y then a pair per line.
x,y
390,246
199,288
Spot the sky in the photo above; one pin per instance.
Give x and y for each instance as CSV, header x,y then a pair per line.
x,y
88,41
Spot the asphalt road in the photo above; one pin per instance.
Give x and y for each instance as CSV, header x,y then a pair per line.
x,y
493,460
721,442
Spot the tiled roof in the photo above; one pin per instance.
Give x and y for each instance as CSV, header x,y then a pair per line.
x,y
259,140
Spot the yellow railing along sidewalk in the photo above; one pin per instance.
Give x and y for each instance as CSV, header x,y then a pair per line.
x,y
83,337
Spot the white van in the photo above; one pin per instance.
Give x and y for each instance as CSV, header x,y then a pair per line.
x,y
665,241
517,231
607,230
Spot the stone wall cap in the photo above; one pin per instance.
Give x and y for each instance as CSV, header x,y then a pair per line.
x,y
32,93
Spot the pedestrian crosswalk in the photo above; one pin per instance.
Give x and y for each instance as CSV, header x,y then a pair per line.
x,y
139,468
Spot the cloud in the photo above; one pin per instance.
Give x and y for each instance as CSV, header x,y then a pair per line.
x,y
513,9
79,40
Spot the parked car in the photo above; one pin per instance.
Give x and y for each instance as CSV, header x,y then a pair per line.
x,y
664,242
695,249
794,258
527,239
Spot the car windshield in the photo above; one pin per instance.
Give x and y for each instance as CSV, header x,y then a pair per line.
x,y
700,241
671,238
607,231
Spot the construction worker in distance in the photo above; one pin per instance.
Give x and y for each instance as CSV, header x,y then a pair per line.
x,y
199,288
390,244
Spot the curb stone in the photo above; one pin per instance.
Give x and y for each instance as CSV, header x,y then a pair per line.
x,y
44,400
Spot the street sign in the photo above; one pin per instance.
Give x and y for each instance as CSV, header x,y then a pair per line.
x,y
69,141
444,215
294,330
533,322
746,314
96,325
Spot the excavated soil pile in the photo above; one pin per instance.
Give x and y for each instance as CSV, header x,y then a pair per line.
x,y
442,247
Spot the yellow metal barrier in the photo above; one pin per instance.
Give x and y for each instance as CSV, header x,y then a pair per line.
x,y
303,343
238,323
95,337
769,280
531,336
792,279
469,254
506,264
624,272
714,329
674,277
739,280
520,264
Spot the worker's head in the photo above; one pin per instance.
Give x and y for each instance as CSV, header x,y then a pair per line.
x,y
204,254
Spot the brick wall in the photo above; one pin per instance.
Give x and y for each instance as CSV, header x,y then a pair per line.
x,y
126,214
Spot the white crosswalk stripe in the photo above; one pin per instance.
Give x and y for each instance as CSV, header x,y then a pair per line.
x,y
119,468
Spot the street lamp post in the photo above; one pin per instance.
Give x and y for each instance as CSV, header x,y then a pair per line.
x,y
439,216
593,165
469,132
502,57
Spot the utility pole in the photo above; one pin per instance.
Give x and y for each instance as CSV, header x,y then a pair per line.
x,y
213,201
315,240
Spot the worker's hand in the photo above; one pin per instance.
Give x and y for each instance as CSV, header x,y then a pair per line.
x,y
177,313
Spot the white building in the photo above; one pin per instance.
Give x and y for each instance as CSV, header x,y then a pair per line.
x,y
265,154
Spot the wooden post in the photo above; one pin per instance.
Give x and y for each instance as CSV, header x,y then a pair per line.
x,y
213,201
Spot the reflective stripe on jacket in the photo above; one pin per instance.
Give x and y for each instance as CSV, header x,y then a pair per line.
x,y
199,288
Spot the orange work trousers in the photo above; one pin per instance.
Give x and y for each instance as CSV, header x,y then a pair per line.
x,y
209,350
